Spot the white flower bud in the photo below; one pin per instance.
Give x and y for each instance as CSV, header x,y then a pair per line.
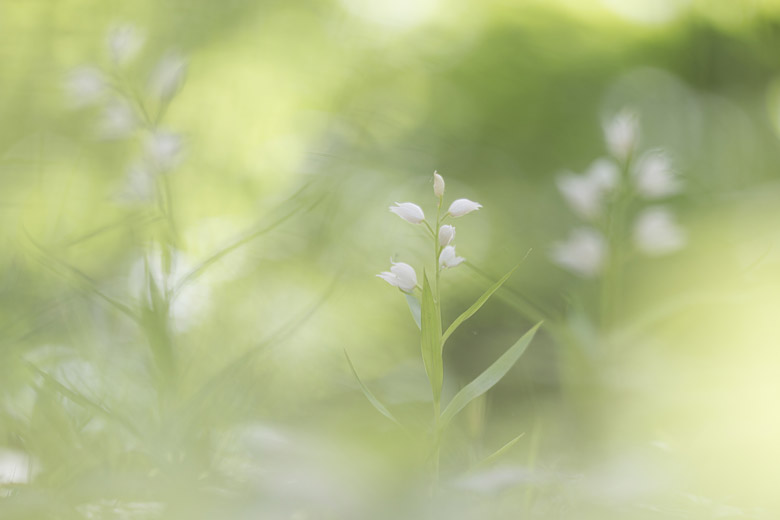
x,y
583,252
582,195
124,41
408,211
168,76
462,207
117,120
401,275
85,85
446,234
448,258
164,150
654,176
622,134
656,232
438,185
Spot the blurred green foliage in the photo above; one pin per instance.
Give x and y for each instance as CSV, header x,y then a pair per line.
x,y
180,354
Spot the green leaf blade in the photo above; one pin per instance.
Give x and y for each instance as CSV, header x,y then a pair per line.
x,y
468,313
381,408
487,379
430,342
414,308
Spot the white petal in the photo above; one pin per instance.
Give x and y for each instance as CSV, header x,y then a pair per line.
x,y
407,277
582,253
462,207
654,176
622,134
389,278
164,150
438,185
124,41
117,120
657,233
604,173
408,211
448,258
85,85
446,234
168,76
583,195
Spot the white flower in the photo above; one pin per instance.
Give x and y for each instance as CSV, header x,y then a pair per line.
x,y
448,258
654,176
85,85
657,233
138,186
117,120
164,150
462,207
446,234
124,41
582,253
585,193
168,76
408,211
438,185
401,275
622,134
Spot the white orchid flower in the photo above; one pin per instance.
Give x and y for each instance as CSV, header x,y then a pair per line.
x,y
401,275
657,233
85,86
124,41
408,211
585,193
446,234
655,177
168,76
438,185
583,253
622,134
164,150
448,258
117,121
462,207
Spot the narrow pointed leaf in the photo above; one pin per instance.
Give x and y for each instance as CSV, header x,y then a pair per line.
x,y
431,340
468,313
369,395
497,454
414,307
488,378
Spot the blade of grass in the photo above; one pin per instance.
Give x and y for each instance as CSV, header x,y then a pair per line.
x,y
468,313
381,408
490,459
487,379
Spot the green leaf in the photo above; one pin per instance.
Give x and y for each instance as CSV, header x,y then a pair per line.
x,y
369,395
414,307
468,313
488,378
497,454
431,340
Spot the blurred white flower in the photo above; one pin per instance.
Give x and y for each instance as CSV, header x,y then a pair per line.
x,y
164,150
446,234
582,253
408,211
124,42
14,467
657,233
585,193
448,258
85,86
622,134
438,185
462,207
117,120
138,186
401,275
604,173
168,76
654,176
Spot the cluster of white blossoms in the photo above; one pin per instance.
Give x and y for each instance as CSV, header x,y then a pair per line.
x,y
403,275
615,180
127,110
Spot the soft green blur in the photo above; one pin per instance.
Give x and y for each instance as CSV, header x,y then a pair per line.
x,y
172,342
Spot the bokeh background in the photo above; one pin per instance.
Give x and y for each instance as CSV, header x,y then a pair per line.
x,y
172,336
